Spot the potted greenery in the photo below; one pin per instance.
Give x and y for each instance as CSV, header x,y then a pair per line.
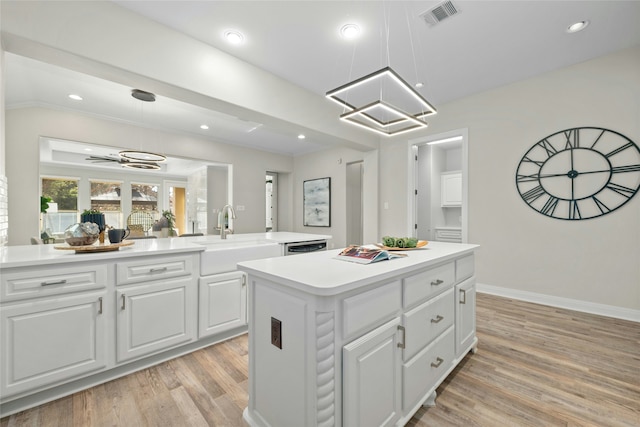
x,y
170,221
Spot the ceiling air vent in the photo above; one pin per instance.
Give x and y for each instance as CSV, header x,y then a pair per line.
x,y
439,13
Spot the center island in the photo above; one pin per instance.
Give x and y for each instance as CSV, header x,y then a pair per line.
x,y
336,343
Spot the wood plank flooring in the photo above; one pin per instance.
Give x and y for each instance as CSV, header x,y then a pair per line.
x,y
535,366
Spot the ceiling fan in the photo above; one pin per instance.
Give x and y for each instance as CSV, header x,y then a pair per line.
x,y
126,162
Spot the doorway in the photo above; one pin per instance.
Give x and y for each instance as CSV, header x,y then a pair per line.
x,y
354,179
439,194
271,198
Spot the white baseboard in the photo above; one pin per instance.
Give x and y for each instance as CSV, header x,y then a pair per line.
x,y
568,303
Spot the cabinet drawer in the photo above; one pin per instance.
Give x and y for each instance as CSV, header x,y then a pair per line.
x,y
428,283
425,322
153,269
43,281
425,371
465,268
371,307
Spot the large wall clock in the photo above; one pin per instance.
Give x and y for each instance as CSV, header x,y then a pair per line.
x,y
579,173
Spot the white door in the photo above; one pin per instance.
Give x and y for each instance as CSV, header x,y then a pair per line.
x,y
371,378
222,303
51,340
154,317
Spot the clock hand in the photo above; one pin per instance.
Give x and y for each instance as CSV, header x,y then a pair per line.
x,y
576,172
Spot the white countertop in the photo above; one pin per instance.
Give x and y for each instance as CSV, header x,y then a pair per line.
x,y
30,255
319,273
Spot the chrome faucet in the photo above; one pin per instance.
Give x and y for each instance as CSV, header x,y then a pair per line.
x,y
224,231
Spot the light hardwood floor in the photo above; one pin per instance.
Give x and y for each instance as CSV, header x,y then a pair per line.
x,y
535,366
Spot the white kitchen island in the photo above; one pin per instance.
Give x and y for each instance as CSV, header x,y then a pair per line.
x,y
335,343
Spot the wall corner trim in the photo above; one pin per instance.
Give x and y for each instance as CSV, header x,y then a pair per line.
x,y
566,303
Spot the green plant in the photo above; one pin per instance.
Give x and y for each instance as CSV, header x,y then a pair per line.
x,y
44,203
170,217
91,212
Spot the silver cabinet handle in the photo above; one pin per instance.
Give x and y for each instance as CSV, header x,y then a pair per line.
x,y
157,270
463,295
437,363
437,282
100,305
124,299
404,336
56,282
438,319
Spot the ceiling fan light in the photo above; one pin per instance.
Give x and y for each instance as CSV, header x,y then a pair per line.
x,y
141,165
142,156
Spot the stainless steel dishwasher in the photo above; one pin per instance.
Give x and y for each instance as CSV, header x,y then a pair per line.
x,y
296,248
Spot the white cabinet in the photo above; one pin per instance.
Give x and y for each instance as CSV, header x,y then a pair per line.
x,y
465,316
50,340
222,303
154,316
451,189
371,378
52,325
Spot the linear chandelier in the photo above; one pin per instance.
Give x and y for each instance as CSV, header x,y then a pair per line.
x,y
372,102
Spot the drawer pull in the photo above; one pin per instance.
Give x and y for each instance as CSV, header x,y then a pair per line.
x,y
57,282
157,270
404,337
438,319
437,282
437,363
463,295
124,299
100,305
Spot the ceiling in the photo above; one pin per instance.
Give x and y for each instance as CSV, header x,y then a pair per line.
x,y
486,45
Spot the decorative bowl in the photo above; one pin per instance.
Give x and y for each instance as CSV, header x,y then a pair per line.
x,y
82,234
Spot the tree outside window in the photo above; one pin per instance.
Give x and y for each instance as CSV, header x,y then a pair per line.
x,y
63,192
144,197
106,197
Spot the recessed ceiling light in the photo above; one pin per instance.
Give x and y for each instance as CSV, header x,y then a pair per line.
x,y
301,136
75,97
350,31
419,85
233,36
578,26
204,127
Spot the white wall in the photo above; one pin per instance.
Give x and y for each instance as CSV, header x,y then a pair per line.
x,y
25,126
4,197
333,163
595,260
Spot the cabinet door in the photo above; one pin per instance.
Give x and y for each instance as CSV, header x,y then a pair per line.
x,y
371,378
451,189
154,317
51,340
465,315
222,303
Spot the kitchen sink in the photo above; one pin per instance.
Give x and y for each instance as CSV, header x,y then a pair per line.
x,y
222,255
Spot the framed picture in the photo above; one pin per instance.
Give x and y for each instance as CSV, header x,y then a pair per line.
x,y
317,202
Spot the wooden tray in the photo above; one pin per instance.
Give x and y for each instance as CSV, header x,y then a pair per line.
x,y
100,247
420,244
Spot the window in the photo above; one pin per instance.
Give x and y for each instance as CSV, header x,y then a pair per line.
x,y
64,194
144,197
106,197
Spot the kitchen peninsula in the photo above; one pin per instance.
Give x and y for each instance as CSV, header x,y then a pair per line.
x,y
70,321
336,343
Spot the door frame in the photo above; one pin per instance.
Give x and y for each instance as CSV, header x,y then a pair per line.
x,y
412,211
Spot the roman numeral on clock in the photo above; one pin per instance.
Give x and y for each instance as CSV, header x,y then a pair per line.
x,y
550,206
533,194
